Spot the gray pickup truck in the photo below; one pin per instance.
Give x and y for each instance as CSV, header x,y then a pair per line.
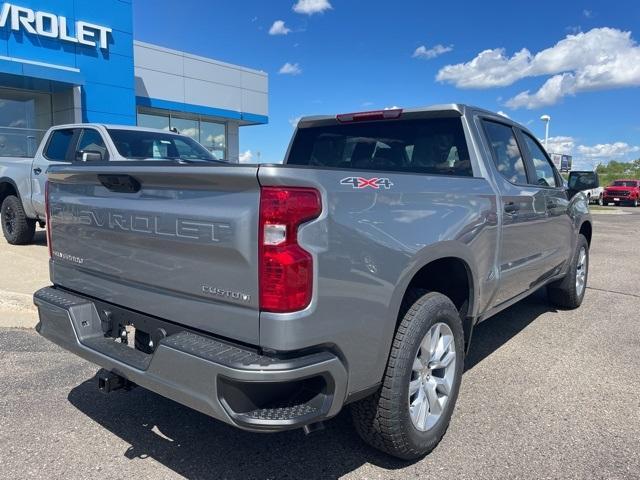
x,y
272,296
22,179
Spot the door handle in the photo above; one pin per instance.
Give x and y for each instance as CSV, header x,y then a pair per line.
x,y
511,208
37,170
120,183
551,204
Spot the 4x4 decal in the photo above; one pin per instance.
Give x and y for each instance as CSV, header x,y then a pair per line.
x,y
360,182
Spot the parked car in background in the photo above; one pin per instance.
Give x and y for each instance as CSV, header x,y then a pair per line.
x,y
22,180
622,192
271,296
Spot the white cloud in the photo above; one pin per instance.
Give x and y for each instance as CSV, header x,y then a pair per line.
x,y
394,107
608,150
246,157
601,58
433,52
500,112
279,28
587,156
290,69
309,7
587,13
561,145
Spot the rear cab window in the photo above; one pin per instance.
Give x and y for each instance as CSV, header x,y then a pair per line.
x,y
433,146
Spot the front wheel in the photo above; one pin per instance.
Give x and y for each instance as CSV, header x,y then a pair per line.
x,y
410,413
569,292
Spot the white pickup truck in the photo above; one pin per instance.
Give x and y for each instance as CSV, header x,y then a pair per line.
x,y
22,180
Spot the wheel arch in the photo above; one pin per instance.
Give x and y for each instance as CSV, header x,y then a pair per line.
x,y
447,268
8,187
586,229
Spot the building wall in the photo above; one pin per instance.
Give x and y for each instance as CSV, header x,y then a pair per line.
x,y
172,80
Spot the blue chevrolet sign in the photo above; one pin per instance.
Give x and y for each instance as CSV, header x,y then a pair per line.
x,y
52,45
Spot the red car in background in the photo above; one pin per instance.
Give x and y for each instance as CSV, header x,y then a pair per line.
x,y
622,191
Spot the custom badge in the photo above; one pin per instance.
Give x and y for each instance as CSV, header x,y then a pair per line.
x,y
360,183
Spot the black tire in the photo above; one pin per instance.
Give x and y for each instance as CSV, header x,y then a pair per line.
x,y
141,341
564,293
16,227
383,419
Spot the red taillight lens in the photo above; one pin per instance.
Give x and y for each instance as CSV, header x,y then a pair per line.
x,y
47,216
286,269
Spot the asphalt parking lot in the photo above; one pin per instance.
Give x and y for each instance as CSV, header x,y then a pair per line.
x,y
546,394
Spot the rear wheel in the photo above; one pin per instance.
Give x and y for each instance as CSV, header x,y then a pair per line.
x,y
16,227
569,292
410,413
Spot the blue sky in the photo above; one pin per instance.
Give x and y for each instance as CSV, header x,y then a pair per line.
x,y
581,65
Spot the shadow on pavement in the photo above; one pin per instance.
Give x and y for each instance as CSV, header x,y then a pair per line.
x,y
197,446
40,238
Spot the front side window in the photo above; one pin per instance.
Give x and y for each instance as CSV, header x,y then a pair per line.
x,y
58,145
545,176
506,153
149,145
435,146
91,141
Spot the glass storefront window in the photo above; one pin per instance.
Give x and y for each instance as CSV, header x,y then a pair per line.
x,y
147,120
187,127
213,137
24,118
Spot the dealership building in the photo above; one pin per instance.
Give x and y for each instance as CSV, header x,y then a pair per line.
x,y
71,61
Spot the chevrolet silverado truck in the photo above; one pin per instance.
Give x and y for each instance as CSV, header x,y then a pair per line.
x,y
622,191
22,180
271,296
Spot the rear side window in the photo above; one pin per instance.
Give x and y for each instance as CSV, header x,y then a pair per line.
x,y
58,145
545,176
506,153
430,146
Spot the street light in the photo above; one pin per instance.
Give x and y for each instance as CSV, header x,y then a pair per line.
x,y
546,119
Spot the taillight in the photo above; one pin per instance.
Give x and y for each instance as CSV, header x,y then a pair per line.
x,y
47,216
286,269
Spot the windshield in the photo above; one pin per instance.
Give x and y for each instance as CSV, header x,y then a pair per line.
x,y
148,145
624,183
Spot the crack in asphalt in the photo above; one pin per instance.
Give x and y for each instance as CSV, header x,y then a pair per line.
x,y
614,291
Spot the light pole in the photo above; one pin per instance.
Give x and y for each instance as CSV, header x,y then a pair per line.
x,y
546,119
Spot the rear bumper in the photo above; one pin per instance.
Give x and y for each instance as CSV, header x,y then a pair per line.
x,y
230,383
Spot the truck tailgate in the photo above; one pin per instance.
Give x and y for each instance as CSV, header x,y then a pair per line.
x,y
177,242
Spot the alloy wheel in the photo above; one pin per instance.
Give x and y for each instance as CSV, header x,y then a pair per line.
x,y
432,376
581,271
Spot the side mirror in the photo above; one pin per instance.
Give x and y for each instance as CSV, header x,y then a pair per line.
x,y
579,181
91,156
583,181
